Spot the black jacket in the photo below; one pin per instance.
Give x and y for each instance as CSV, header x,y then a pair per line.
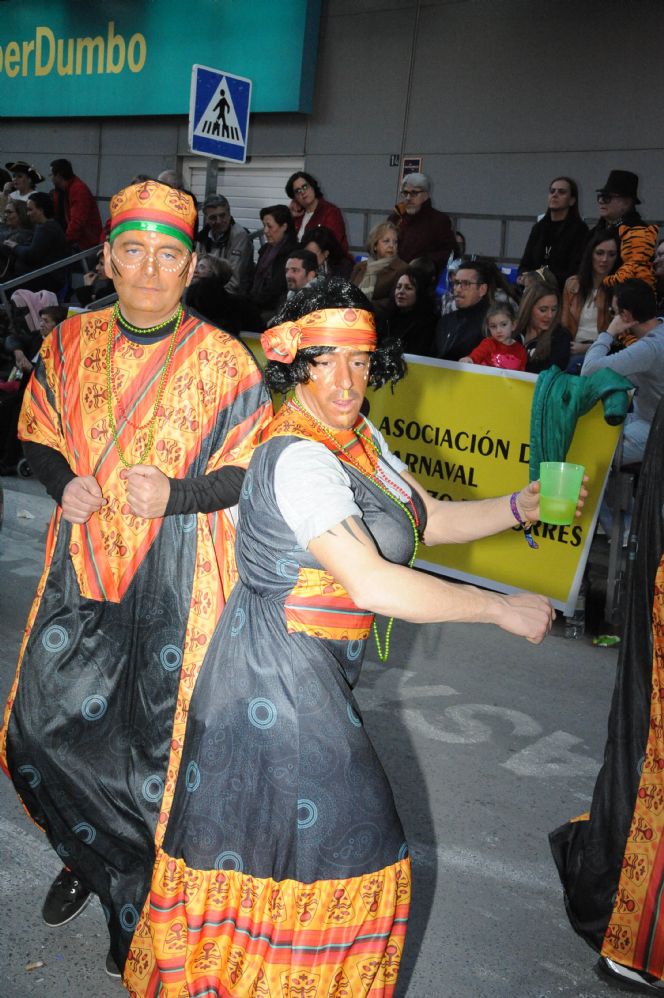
x,y
270,285
48,245
558,353
414,328
556,245
457,333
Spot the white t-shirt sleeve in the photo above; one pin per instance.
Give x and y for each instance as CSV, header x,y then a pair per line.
x,y
312,490
385,452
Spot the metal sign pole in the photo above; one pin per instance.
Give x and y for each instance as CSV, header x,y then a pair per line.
x,y
211,177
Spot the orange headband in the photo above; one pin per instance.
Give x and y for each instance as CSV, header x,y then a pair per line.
x,y
330,327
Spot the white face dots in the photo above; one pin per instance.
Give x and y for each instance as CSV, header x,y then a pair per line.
x,y
137,249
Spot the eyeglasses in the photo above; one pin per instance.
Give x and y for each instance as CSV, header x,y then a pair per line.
x,y
606,198
300,190
464,284
412,192
133,255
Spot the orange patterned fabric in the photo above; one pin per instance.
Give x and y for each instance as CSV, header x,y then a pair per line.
x,y
223,933
333,327
635,934
637,245
354,446
69,414
321,607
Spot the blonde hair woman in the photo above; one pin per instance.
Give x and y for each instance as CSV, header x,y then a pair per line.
x,y
377,276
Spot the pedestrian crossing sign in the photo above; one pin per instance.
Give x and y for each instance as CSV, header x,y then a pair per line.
x,y
219,114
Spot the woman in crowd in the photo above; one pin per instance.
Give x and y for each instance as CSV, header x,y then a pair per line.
x,y
24,180
208,265
306,190
378,275
269,284
16,228
558,239
409,316
586,300
547,342
332,261
47,245
283,839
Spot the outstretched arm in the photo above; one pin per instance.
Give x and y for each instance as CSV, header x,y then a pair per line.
x,y
461,522
349,553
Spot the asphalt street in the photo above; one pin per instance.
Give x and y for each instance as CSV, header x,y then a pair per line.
x,y
489,743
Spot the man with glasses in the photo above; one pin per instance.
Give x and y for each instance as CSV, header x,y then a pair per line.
x,y
423,231
139,419
224,238
617,200
459,332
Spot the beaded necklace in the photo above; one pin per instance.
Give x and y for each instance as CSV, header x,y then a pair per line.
x,y
111,387
382,649
149,330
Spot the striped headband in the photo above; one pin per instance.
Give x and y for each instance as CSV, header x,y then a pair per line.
x,y
329,327
154,207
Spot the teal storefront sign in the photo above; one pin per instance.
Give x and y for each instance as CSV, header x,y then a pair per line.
x,y
62,59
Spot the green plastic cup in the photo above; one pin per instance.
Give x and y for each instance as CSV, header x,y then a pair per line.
x,y
560,484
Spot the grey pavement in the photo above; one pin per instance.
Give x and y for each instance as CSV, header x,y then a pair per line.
x,y
489,743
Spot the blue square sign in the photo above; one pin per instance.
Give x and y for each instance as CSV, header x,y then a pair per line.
x,y
219,114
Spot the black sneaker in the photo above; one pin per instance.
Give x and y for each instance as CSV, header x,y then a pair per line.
x,y
112,967
66,898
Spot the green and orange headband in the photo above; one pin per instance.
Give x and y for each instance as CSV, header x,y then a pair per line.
x,y
154,207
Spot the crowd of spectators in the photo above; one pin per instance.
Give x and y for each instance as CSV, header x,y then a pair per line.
x,y
424,288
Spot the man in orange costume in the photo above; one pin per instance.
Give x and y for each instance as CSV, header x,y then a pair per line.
x,y
139,419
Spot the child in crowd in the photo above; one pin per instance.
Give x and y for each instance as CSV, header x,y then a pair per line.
x,y
50,317
499,348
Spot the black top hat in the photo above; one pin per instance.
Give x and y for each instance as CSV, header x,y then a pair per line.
x,y
20,166
624,183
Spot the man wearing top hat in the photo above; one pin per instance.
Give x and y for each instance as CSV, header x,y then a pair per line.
x,y
617,201
139,419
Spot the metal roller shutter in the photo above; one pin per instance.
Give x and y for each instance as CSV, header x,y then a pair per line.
x,y
248,186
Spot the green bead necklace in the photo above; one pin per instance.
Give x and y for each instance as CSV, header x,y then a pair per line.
x,y
111,392
383,649
149,330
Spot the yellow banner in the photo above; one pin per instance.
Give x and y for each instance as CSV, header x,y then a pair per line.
x,y
464,432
